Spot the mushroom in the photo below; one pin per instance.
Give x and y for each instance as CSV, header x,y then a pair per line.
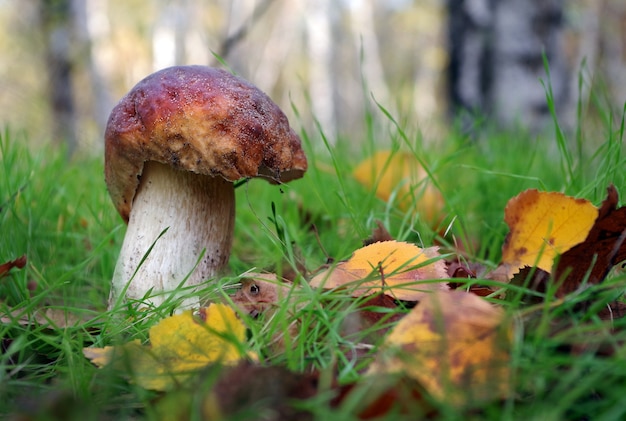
x,y
173,147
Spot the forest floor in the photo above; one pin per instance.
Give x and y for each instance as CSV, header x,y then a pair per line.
x,y
563,354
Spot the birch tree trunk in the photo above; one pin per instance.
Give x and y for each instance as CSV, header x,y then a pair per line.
x,y
363,27
169,34
56,22
92,32
614,51
496,59
320,49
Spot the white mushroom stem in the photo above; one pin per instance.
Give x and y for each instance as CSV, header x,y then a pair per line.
x,y
198,212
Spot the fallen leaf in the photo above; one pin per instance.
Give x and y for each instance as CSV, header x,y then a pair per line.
x,y
274,389
543,225
401,173
179,346
263,294
613,311
383,396
604,246
379,234
374,316
455,344
243,392
19,263
464,270
376,308
458,269
395,268
589,261
533,279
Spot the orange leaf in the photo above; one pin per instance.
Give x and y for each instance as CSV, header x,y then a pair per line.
x,y
455,344
401,173
395,268
179,345
543,225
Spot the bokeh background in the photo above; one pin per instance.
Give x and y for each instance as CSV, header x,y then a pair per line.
x,y
432,64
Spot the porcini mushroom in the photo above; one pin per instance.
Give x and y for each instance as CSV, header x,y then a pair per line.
x,y
173,147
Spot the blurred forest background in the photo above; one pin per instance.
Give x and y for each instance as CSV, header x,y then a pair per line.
x,y
65,63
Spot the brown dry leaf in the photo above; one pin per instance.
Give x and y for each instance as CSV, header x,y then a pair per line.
x,y
612,311
19,263
379,234
47,317
374,316
179,346
534,279
268,389
393,267
455,344
372,310
604,246
382,396
543,225
401,173
465,270
243,392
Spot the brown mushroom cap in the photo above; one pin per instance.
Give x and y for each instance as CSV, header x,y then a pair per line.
x,y
198,119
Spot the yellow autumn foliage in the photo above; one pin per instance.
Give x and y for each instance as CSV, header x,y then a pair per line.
x,y
393,267
543,225
400,173
179,346
455,344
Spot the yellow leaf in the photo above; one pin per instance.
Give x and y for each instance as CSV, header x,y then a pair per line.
x,y
393,267
455,344
179,346
401,173
543,225
99,356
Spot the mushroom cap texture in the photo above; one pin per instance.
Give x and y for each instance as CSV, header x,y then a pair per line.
x,y
199,119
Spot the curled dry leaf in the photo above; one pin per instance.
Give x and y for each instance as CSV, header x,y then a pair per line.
x,y
401,173
179,346
19,263
543,225
455,344
401,270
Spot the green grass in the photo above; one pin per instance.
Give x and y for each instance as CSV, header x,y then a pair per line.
x,y
59,215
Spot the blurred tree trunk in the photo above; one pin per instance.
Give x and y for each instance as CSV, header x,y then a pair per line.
x,y
170,33
56,23
321,77
363,26
613,50
241,19
496,49
92,32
